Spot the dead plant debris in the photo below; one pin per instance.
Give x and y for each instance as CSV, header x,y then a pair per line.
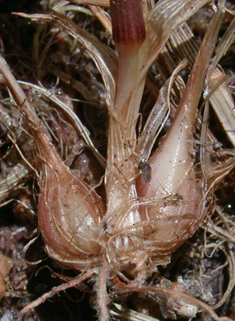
x,y
117,125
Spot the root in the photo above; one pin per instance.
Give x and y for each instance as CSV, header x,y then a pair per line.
x,y
62,287
102,293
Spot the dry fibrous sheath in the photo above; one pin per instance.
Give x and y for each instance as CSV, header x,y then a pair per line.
x,y
152,204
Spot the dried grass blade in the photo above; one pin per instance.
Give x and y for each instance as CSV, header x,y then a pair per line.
x,y
225,43
103,56
102,16
162,22
73,119
168,15
17,92
102,3
66,7
223,104
183,44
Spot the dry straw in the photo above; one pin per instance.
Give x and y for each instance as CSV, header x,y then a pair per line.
x,y
154,203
